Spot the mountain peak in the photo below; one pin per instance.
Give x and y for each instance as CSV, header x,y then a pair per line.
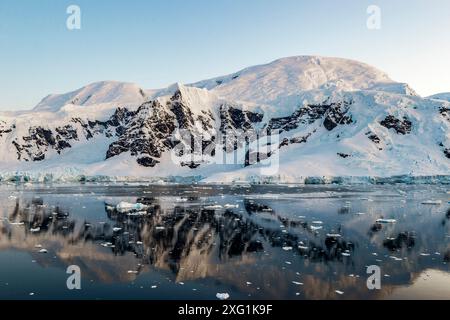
x,y
441,96
267,83
95,93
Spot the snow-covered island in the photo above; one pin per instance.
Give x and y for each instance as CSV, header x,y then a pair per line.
x,y
338,121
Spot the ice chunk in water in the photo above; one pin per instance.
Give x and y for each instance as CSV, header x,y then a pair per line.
x,y
222,296
231,206
126,207
213,207
386,221
432,202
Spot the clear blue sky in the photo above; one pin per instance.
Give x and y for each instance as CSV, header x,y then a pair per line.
x,y
158,42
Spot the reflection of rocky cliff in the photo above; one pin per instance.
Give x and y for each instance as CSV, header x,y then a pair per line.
x,y
194,240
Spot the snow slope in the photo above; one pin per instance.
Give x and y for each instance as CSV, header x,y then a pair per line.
x,y
337,119
120,93
441,96
271,83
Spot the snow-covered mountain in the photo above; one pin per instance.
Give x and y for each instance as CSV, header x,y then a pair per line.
x,y
336,118
113,92
441,96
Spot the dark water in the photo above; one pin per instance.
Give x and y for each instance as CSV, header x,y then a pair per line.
x,y
196,241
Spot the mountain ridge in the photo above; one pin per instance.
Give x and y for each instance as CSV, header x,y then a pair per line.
x,y
350,120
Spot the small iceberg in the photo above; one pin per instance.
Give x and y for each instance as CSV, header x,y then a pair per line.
x,y
222,296
137,214
124,207
231,206
132,272
213,207
333,235
386,221
432,202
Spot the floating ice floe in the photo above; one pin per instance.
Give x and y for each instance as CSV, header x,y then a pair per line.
x,y
231,206
396,258
222,296
333,235
127,207
138,213
107,245
386,221
432,202
213,207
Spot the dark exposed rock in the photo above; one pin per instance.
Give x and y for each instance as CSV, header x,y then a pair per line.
x,y
374,138
447,153
256,157
445,112
147,162
144,132
4,130
403,240
304,115
253,207
337,115
400,126
191,164
344,155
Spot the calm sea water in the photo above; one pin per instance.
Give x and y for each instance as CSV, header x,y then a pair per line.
x,y
192,242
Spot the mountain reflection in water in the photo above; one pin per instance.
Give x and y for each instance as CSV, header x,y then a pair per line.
x,y
194,241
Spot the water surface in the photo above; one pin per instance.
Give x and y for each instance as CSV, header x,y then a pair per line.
x,y
192,242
